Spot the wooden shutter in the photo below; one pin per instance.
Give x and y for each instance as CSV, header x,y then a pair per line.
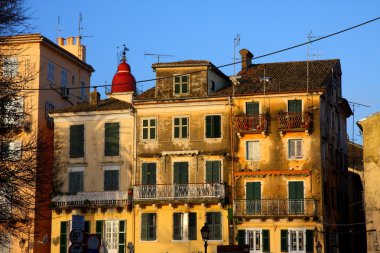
x,y
144,227
177,226
217,126
111,141
184,173
266,241
176,172
309,241
296,190
87,227
252,108
295,106
122,232
208,126
217,226
284,240
63,238
291,148
209,172
192,226
151,176
241,237
253,191
144,173
99,228
76,141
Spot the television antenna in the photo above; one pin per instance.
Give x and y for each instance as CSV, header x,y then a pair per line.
x,y
158,56
59,30
353,116
80,27
236,44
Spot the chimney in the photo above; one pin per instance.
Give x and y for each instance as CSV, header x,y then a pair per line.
x,y
60,41
94,98
246,57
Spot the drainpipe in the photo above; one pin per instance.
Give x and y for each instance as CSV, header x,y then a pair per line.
x,y
231,103
134,171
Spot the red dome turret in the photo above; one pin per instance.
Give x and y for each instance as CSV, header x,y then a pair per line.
x,y
123,81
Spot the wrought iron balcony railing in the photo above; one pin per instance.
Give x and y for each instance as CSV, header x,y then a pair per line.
x,y
294,121
274,207
186,192
251,123
88,199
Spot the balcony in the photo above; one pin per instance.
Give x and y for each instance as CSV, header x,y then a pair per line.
x,y
92,199
275,208
294,121
251,123
179,193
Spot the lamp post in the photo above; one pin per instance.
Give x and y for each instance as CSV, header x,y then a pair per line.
x,y
205,231
318,247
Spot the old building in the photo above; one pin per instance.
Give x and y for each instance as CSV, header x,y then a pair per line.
x,y
57,75
290,155
183,166
371,157
96,153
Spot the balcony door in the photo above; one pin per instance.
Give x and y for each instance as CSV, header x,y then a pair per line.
x,y
112,235
181,179
254,240
253,197
148,179
296,197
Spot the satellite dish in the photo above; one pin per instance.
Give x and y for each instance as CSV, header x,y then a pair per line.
x,y
44,239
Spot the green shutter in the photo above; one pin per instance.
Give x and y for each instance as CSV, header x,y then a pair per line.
x,y
253,191
295,106
208,126
152,174
266,241
177,226
144,227
144,173
241,237
284,240
208,172
184,173
111,141
63,238
122,228
176,177
192,226
76,141
309,241
296,190
252,108
217,126
87,227
99,228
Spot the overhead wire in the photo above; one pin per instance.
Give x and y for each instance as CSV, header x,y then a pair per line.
x,y
225,65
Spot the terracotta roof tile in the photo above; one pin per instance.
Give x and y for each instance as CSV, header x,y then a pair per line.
x,y
109,104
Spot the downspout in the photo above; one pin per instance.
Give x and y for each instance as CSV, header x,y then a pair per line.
x,y
232,233
134,171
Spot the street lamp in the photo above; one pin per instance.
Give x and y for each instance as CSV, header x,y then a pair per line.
x,y
318,247
205,231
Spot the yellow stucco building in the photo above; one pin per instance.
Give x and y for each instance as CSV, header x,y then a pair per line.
x,y
53,75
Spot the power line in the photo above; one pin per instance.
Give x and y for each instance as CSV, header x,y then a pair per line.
x,y
230,64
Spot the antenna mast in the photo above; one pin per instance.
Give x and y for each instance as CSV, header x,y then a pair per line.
x,y
158,56
59,30
353,116
236,43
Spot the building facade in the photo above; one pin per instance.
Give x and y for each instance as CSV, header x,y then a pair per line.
x,y
56,78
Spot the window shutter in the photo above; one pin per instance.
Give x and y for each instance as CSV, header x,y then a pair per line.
x,y
87,227
184,173
176,177
122,228
309,241
144,227
99,228
284,240
256,150
249,145
217,126
115,180
192,226
241,237
144,173
266,241
208,172
76,141
299,148
63,238
208,126
177,226
111,141
216,172
253,191
217,226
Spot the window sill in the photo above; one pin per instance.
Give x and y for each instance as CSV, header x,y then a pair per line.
x,y
153,241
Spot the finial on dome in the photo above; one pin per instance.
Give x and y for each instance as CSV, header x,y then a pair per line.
x,y
125,49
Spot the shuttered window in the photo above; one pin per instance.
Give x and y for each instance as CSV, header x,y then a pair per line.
x,y
148,227
213,126
148,174
266,241
181,172
295,106
214,221
184,224
75,181
241,237
111,180
76,141
87,228
309,241
295,147
177,226
192,226
63,237
253,150
111,139
122,234
99,228
213,172
284,240
252,108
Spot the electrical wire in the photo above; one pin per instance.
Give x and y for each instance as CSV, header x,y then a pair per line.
x,y
225,65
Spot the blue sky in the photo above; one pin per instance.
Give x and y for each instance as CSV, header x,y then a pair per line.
x,y
205,30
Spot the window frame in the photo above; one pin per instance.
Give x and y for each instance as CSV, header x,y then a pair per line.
x,y
109,139
213,135
149,127
148,164
220,170
153,237
81,186
181,83
180,127
108,169
185,231
51,71
64,74
77,142
251,156
295,157
290,243
294,100
11,70
253,103
212,226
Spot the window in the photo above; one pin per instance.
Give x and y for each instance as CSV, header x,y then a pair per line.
x,y
83,90
181,128
213,172
295,106
149,129
76,141
184,226
75,182
73,80
297,240
10,67
252,108
296,197
48,108
257,239
111,139
11,150
181,84
253,150
5,246
253,197
214,221
212,85
148,174
148,227
64,237
295,149
114,234
51,69
213,126
14,111
63,78
111,178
